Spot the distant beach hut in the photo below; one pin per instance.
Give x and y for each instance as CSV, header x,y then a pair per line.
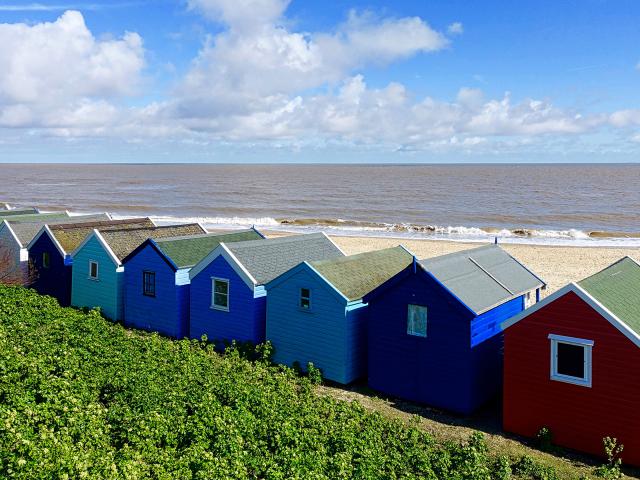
x,y
316,312
157,279
572,364
98,273
50,251
9,212
434,329
228,297
15,235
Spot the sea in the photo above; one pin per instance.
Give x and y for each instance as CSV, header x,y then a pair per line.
x,y
559,204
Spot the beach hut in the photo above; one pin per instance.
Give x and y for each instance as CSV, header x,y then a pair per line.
x,y
14,239
228,298
157,279
98,273
9,212
434,329
50,259
572,364
315,311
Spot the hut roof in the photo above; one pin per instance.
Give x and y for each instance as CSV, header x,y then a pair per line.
x,y
482,278
267,259
25,231
356,275
6,212
124,241
34,217
187,251
71,235
617,287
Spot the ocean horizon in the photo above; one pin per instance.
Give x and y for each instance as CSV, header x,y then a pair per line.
x,y
574,204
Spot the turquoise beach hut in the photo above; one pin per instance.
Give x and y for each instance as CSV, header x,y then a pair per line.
x,y
228,298
98,273
157,279
315,311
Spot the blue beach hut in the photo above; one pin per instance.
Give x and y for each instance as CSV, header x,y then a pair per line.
x,y
157,279
434,333
316,312
228,297
98,272
50,257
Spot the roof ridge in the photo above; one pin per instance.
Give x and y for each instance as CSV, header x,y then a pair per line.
x,y
278,240
358,256
466,252
201,235
70,225
155,227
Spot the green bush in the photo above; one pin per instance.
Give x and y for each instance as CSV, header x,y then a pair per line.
x,y
81,397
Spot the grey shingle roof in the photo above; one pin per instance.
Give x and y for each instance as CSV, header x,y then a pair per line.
x,y
25,231
35,217
187,251
617,287
356,275
482,277
267,259
123,242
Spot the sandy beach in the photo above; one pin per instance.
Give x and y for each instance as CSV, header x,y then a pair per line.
x,y
555,265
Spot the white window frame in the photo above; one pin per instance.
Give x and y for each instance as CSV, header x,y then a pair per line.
x,y
48,263
301,297
93,262
587,345
426,326
213,294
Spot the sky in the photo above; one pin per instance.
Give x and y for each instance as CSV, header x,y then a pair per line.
x,y
307,81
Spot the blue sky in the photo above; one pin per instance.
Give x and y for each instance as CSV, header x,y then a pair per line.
x,y
303,81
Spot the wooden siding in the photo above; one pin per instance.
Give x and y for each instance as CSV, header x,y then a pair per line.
x,y
323,335
437,370
167,312
245,319
16,267
578,417
487,325
106,291
55,280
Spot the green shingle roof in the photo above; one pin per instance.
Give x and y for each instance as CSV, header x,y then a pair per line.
x,y
187,251
71,235
34,217
22,211
123,242
268,259
356,275
617,287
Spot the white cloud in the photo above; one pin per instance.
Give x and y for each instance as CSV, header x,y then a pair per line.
x,y
625,118
50,72
455,28
241,14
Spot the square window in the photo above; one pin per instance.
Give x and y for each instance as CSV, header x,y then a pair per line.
x,y
417,320
571,360
220,294
93,270
305,299
149,284
46,260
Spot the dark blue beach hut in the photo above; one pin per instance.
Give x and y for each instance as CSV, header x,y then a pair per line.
x,y
315,311
434,332
228,297
156,279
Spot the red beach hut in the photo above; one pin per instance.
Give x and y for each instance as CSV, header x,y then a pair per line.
x,y
572,364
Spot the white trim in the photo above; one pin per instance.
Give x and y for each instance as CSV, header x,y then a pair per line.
x,y
588,299
213,293
6,224
587,346
223,250
204,230
97,277
104,244
334,244
52,237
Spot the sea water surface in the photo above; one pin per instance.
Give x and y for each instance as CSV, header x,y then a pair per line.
x,y
560,204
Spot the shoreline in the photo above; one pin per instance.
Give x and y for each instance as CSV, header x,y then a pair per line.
x,y
556,265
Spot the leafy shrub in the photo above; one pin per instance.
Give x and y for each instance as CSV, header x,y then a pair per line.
x,y
612,450
527,467
82,397
545,439
314,374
